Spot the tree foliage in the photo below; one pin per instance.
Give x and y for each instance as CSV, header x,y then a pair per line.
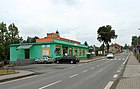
x,y
31,39
105,34
126,46
7,37
134,41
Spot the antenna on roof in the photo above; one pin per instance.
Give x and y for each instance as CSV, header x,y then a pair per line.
x,y
57,32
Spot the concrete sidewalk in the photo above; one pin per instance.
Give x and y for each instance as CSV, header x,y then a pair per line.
x,y
131,76
19,74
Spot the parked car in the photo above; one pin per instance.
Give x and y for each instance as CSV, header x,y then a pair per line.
x,y
67,59
44,60
110,55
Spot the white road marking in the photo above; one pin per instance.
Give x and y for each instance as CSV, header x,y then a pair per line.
x,y
118,71
115,76
108,86
103,59
98,65
126,60
50,84
84,71
73,66
120,68
73,75
92,68
80,65
18,79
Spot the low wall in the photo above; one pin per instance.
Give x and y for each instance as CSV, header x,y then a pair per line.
x,y
22,62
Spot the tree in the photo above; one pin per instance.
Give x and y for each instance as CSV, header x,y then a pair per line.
x,y
31,39
105,34
7,37
134,41
91,49
126,46
3,31
14,34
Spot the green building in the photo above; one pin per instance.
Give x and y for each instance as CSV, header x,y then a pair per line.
x,y
28,52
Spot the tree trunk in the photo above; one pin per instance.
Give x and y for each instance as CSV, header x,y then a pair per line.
x,y
107,48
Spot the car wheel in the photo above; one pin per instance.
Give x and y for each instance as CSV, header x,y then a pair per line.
x,y
50,62
36,62
45,62
71,62
57,62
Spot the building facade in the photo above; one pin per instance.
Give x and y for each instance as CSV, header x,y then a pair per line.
x,y
53,45
115,48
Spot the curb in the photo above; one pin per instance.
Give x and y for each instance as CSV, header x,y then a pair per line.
x,y
116,80
92,60
12,78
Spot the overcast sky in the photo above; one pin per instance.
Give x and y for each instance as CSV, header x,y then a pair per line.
x,y
75,19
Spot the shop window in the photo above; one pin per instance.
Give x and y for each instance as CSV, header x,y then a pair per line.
x,y
83,52
75,51
70,51
57,50
79,51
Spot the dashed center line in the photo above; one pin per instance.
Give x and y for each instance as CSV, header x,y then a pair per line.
x,y
73,66
118,71
80,65
73,75
115,76
102,64
98,65
92,68
120,68
50,84
84,71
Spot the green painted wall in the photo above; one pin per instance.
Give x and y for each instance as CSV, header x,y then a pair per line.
x,y
16,54
13,54
36,51
52,50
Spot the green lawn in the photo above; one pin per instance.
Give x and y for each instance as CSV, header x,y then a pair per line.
x,y
3,72
7,69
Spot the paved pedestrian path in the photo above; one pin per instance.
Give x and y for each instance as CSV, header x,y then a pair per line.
x,y
19,74
131,76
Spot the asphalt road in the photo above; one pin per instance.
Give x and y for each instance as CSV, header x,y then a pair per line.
x,y
92,75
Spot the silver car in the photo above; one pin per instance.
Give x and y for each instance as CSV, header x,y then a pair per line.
x,y
44,60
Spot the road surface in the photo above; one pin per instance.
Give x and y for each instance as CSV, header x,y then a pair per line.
x,y
92,75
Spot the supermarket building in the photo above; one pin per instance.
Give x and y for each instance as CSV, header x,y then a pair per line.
x,y
53,45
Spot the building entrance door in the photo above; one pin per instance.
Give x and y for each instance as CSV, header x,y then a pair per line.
x,y
27,53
